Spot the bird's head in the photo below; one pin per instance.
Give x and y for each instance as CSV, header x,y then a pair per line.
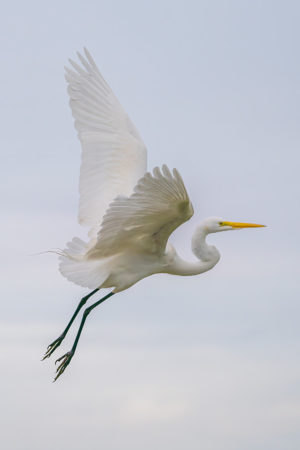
x,y
216,224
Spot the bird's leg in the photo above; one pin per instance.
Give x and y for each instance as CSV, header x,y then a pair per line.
x,y
66,358
53,346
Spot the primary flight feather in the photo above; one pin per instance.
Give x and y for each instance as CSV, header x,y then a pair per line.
x,y
130,212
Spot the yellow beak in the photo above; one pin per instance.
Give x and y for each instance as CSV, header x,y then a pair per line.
x,y
241,225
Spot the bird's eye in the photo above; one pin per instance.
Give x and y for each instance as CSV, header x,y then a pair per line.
x,y
221,224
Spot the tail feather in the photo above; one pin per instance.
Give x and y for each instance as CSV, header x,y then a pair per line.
x,y
75,266
77,247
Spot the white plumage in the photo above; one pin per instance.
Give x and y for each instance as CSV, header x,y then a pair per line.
x,y
131,213
114,156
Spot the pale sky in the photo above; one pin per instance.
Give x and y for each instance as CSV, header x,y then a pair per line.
x,y
208,362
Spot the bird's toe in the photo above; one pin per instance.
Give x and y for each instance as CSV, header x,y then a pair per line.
x,y
65,361
53,346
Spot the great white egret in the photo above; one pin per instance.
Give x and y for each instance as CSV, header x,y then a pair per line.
x,y
131,213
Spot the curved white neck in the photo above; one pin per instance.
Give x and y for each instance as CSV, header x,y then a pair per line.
x,y
208,256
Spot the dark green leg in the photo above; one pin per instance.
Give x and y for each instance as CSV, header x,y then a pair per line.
x,y
66,359
53,346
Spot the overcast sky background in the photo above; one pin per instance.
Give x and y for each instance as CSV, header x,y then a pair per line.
x,y
208,362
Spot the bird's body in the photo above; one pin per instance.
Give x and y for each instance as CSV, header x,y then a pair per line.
x,y
130,212
127,268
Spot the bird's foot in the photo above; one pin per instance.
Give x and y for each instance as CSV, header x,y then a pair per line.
x,y
66,359
53,346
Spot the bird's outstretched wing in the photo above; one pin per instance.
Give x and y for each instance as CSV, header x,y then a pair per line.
x,y
145,220
114,156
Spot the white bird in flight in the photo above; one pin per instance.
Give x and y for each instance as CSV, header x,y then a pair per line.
x,y
131,212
